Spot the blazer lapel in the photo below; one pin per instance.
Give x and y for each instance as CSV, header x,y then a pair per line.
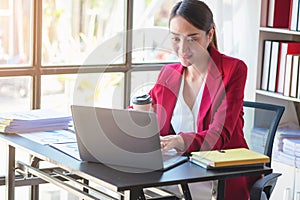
x,y
213,85
174,79
170,80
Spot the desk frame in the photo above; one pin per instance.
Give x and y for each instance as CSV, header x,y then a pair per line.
x,y
132,188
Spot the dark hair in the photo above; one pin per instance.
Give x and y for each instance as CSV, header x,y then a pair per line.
x,y
198,14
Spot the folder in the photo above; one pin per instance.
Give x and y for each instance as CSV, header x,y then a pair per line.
x,y
228,158
266,64
279,15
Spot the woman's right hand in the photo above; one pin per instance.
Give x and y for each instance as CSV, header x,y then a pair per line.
x,y
171,142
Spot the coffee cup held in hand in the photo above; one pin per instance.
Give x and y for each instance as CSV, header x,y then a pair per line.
x,y
142,102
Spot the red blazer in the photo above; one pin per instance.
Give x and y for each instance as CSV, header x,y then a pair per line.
x,y
220,120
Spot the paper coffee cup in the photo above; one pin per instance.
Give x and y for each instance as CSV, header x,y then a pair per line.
x,y
142,102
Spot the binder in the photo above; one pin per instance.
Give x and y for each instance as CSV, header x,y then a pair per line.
x,y
279,13
228,158
288,75
266,65
286,47
273,66
294,15
294,81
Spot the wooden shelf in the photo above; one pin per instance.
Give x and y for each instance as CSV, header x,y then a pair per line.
x,y
279,30
276,95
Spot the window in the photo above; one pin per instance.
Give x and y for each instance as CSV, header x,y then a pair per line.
x,y
15,33
55,53
71,29
44,45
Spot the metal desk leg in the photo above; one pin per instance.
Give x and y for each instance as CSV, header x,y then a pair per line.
x,y
10,173
34,190
186,191
136,194
221,189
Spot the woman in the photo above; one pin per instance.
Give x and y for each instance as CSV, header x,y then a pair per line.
x,y
199,101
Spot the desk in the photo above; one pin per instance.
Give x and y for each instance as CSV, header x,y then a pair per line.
x,y
128,185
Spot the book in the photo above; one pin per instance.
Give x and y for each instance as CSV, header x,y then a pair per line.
x,y
298,84
281,67
228,158
294,15
288,75
279,13
264,12
271,9
294,81
285,47
266,65
273,66
298,18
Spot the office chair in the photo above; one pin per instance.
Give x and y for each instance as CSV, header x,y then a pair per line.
x,y
261,122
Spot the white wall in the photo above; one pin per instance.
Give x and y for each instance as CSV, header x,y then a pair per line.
x,y
237,24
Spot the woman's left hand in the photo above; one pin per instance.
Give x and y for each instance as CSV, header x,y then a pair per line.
x,y
170,142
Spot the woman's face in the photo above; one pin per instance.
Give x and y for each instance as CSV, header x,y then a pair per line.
x,y
188,42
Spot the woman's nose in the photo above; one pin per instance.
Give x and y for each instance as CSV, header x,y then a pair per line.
x,y
183,46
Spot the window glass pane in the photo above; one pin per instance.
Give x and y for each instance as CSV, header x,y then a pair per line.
x,y
15,32
142,82
98,89
150,35
15,93
74,28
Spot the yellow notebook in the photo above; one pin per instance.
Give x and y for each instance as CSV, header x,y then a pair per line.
x,y
228,158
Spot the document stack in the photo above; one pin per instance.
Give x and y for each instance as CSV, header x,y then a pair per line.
x,y
286,147
33,120
291,151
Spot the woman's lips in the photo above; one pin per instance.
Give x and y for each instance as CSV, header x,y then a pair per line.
x,y
186,57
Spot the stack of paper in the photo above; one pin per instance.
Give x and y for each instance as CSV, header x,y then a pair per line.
x,y
228,158
33,120
258,139
291,147
284,134
286,158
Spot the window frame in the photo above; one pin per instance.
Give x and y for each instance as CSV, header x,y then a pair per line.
x,y
36,70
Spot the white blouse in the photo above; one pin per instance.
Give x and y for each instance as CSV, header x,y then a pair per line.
x,y
184,119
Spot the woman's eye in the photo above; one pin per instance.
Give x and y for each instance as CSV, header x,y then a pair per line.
x,y
175,39
191,40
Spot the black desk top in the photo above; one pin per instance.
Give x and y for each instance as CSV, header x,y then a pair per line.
x,y
184,173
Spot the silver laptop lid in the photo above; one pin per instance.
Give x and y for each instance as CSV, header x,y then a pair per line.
x,y
118,138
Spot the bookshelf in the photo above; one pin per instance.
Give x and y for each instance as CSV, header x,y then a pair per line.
x,y
292,112
287,186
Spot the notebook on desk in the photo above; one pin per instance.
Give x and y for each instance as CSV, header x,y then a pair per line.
x,y
119,137
228,158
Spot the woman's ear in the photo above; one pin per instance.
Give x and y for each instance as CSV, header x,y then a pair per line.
x,y
211,34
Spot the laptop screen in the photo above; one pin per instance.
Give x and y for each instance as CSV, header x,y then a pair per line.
x,y
117,137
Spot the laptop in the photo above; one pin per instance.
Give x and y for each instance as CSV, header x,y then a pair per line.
x,y
120,138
